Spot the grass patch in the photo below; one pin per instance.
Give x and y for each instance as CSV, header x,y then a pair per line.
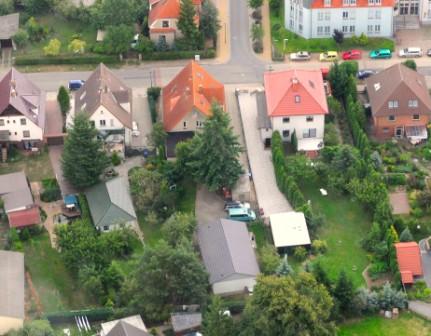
x,y
297,43
152,231
36,166
261,233
407,324
187,197
346,223
63,30
55,286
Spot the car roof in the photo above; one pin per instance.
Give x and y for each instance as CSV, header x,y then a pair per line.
x,y
332,52
383,50
413,49
238,211
75,81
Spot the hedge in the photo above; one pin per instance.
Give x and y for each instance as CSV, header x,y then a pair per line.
x,y
153,94
96,314
396,179
86,59
174,55
85,209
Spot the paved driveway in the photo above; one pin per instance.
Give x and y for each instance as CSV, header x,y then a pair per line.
x,y
209,206
269,198
141,115
426,262
55,157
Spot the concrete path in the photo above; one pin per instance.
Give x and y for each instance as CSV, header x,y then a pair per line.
x,y
142,116
426,263
270,199
55,153
421,308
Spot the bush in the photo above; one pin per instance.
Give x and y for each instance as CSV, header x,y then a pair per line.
x,y
300,253
51,191
276,27
257,14
258,47
21,38
419,291
115,159
377,268
153,94
52,48
395,179
410,64
93,315
331,135
175,55
319,246
63,100
86,59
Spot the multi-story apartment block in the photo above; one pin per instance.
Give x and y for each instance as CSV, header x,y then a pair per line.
x,y
319,18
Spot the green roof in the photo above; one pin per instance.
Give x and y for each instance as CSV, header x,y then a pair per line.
x,y
110,203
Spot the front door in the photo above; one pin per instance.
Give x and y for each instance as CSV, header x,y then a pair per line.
x,y
399,132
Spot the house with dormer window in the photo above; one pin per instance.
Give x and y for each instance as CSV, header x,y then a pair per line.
x,y
22,111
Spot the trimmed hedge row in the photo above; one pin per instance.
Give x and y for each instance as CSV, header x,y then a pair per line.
x,y
87,59
175,55
286,183
96,314
153,94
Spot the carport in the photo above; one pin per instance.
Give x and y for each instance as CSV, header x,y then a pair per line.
x,y
9,25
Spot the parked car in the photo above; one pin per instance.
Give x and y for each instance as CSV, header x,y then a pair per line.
x,y
380,53
300,56
241,214
429,52
232,204
365,73
328,56
134,42
75,84
410,52
352,55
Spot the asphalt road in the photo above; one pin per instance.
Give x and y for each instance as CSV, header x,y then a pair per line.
x,y
243,66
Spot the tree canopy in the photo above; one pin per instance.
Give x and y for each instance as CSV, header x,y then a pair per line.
x,y
83,158
179,227
288,306
34,328
192,38
215,322
115,13
117,39
212,155
209,23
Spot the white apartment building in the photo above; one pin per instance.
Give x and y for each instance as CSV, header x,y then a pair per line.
x,y
319,18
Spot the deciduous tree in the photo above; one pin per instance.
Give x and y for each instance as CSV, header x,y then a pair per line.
x,y
215,322
255,3
179,227
288,306
209,23
83,158
186,23
117,39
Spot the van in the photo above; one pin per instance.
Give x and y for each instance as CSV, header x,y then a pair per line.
x,y
75,84
380,53
241,214
135,130
410,52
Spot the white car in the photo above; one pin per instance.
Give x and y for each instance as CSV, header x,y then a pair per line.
x,y
135,130
410,52
300,56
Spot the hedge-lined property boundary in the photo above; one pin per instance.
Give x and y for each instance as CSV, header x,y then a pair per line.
x,y
177,55
59,60
96,314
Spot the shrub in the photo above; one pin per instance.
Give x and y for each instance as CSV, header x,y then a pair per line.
x,y
258,47
77,46
21,38
95,314
276,27
87,59
175,55
115,159
331,135
300,253
319,246
153,94
257,14
52,48
63,100
338,36
256,32
410,64
51,191
395,179
419,291
377,268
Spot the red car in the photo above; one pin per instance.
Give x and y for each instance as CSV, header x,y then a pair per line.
x,y
351,55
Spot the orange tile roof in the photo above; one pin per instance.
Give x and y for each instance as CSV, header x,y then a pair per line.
x,y
409,260
166,9
192,88
359,3
282,87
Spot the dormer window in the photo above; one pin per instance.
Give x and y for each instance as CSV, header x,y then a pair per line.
x,y
165,24
297,99
327,3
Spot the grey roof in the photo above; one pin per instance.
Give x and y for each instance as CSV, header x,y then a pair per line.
x,y
15,191
9,25
123,328
263,120
110,203
104,88
12,284
226,250
185,321
18,93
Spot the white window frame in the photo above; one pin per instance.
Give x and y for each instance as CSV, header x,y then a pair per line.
x,y
413,103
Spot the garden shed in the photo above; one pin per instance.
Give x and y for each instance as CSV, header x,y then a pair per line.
x,y
289,229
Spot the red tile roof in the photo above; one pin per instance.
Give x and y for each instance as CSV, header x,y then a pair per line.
x,y
282,87
166,9
359,3
192,88
23,218
409,260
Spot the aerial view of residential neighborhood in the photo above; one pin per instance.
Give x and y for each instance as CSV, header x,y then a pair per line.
x,y
215,167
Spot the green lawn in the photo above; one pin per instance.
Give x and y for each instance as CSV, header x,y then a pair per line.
x,y
36,166
63,30
297,43
408,324
56,288
261,233
346,223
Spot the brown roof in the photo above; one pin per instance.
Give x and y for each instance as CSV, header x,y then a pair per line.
x,y
104,88
400,83
20,94
192,89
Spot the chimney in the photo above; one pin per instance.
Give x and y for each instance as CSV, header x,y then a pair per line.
x,y
13,93
295,83
187,90
13,84
200,88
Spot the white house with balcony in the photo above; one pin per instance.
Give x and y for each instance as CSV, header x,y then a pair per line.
x,y
319,18
295,104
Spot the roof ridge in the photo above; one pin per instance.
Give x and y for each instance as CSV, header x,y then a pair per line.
x,y
227,243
